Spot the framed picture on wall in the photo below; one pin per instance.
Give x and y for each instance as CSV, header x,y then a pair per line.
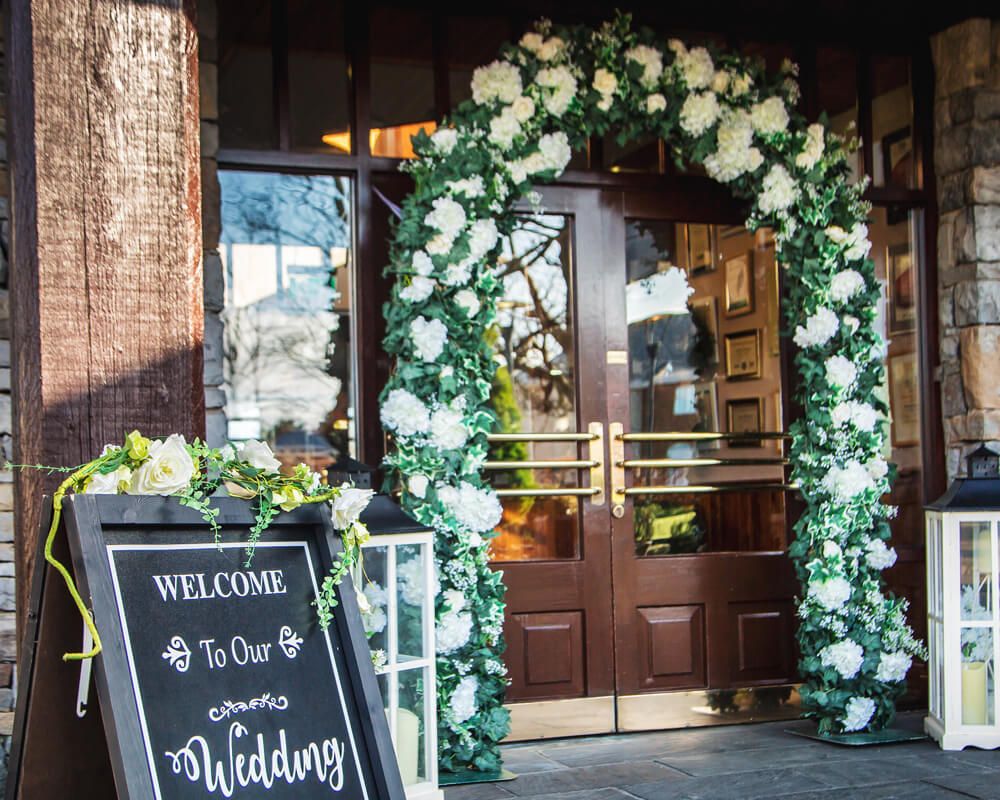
x,y
705,315
904,400
743,355
745,416
706,401
897,164
901,278
701,248
739,285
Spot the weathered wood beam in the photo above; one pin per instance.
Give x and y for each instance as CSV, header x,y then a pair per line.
x,y
106,286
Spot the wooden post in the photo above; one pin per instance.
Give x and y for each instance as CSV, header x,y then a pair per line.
x,y
106,286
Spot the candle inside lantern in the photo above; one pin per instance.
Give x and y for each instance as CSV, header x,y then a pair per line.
x,y
407,744
974,693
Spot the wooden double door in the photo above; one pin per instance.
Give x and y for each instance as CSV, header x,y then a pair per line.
x,y
642,394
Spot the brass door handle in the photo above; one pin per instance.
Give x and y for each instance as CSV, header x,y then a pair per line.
x,y
616,433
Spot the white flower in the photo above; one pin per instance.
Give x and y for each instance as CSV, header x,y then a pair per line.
x,y
463,701
778,190
346,507
740,84
845,285
258,455
504,128
405,413
832,593
440,245
448,431
523,108
892,667
483,237
877,467
812,148
476,510
847,482
734,154
109,483
168,470
859,245
417,485
497,81
420,289
845,657
560,89
444,140
851,323
696,67
554,151
699,112
770,116
858,712
454,599
371,604
819,329
532,41
458,274
720,81
410,577
550,48
470,187
655,103
605,82
879,555
453,631
862,415
429,337
448,217
468,301
422,263
831,549
840,372
651,61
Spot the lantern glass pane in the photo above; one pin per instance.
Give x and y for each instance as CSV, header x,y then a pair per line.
x,y
376,617
976,570
977,676
410,571
410,733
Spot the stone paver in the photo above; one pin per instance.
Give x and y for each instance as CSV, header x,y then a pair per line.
x,y
748,762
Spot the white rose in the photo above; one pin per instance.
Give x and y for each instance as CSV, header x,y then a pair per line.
x,y
551,48
651,61
429,337
440,245
840,372
820,328
483,237
532,41
845,285
258,455
560,89
448,217
858,712
812,148
468,301
457,274
655,103
858,243
168,470
346,507
417,484
605,81
422,263
109,483
523,108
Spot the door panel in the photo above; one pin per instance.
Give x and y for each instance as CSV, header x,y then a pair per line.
x,y
546,654
672,646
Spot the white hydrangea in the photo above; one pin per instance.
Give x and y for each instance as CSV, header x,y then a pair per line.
x,y
453,631
778,190
696,67
740,84
555,150
845,285
429,337
651,61
840,372
468,301
847,482
859,414
405,413
497,81
448,217
476,510
699,112
420,289
417,485
857,713
422,263
879,555
606,84
454,599
444,140
470,187
440,245
410,580
735,154
483,237
855,241
448,431
770,116
877,467
458,274
892,667
656,103
524,108
845,657
812,148
504,128
559,86
720,81
463,701
819,329
831,593
831,549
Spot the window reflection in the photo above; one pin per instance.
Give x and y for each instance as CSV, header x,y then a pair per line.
x,y
704,357
892,122
286,249
534,389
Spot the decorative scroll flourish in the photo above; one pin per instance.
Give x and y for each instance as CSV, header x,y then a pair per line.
x,y
230,707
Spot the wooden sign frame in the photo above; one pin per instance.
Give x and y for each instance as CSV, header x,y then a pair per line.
x,y
55,752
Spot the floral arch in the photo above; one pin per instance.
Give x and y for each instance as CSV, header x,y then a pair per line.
x,y
543,96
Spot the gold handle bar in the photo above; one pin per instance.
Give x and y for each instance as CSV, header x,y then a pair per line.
x,y
646,463
702,437
542,437
581,491
710,488
504,465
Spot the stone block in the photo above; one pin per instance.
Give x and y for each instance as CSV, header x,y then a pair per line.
x,y
8,636
942,116
963,237
952,191
952,396
980,346
977,303
6,497
946,308
4,352
215,281
6,526
8,594
949,347
7,569
4,379
208,88
986,104
984,143
962,105
216,428
215,397
984,185
211,204
987,220
6,723
951,151
961,55
213,350
6,422
946,240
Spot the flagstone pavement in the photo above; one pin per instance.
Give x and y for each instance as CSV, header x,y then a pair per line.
x,y
747,762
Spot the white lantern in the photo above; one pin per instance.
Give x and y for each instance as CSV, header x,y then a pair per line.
x,y
397,577
963,619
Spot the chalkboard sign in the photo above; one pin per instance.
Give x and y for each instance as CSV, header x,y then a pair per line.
x,y
216,680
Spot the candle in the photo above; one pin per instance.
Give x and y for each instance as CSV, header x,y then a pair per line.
x,y
974,693
407,744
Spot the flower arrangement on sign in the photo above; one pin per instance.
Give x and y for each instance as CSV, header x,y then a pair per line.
x,y
544,96
171,467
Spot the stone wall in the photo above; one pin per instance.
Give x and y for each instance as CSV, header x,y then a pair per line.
x,y
967,164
